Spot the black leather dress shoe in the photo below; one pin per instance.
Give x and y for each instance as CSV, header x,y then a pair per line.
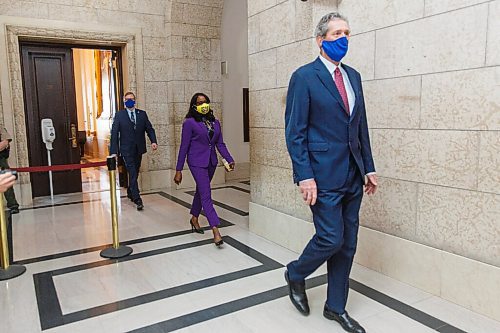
x,y
140,205
297,293
348,324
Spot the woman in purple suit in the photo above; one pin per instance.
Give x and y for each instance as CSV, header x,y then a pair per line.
x,y
201,133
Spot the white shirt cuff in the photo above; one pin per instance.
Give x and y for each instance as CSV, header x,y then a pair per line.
x,y
305,180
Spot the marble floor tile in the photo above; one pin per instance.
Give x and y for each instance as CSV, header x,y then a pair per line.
x,y
106,284
389,286
460,317
280,316
233,197
393,322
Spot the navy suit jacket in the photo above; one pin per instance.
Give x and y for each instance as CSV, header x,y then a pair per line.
x,y
320,136
127,140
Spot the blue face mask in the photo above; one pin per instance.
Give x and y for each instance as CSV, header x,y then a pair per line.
x,y
335,49
129,103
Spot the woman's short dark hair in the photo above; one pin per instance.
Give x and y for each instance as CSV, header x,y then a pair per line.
x,y
192,113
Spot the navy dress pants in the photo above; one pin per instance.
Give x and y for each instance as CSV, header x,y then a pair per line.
x,y
336,220
133,164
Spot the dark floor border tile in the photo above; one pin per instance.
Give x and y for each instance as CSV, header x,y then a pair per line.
x,y
232,187
50,311
48,304
449,329
276,293
224,309
64,204
78,202
403,308
224,223
247,182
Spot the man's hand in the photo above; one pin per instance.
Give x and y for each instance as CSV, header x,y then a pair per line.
x,y
4,144
371,185
7,180
154,146
309,191
178,177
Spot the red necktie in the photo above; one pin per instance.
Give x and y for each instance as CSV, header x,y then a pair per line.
x,y
339,82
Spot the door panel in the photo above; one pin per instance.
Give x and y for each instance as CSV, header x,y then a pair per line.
x,y
49,92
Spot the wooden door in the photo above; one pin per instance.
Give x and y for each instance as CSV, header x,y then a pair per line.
x,y
49,92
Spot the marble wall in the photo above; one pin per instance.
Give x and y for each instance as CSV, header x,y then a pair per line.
x,y
431,83
179,42
431,87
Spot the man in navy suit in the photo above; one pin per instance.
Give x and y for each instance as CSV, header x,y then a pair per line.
x,y
327,139
127,137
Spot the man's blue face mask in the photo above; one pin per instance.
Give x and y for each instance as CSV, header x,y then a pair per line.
x,y
129,103
335,49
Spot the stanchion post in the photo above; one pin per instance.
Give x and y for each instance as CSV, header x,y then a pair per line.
x,y
7,271
116,251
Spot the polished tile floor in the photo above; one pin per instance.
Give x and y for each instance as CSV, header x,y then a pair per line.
x,y
179,281
94,179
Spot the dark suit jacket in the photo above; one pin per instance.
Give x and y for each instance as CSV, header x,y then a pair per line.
x,y
125,139
198,147
320,136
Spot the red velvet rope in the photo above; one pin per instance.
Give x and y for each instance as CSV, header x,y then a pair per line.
x,y
60,167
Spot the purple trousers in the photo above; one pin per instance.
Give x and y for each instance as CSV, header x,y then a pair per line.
x,y
203,196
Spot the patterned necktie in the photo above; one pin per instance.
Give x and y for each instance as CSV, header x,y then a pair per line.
x,y
132,117
339,82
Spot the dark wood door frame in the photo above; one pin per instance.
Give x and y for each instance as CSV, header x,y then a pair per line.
x,y
47,70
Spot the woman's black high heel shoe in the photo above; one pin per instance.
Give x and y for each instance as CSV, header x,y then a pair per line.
x,y
219,243
194,229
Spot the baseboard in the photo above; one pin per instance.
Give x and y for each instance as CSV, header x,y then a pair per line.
x,y
153,180
283,229
466,282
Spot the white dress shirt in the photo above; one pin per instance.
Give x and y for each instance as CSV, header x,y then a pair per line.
x,y
130,111
351,97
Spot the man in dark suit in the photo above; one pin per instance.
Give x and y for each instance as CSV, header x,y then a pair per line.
x,y
127,137
327,139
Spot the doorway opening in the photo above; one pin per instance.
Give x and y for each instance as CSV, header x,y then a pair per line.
x,y
78,87
97,87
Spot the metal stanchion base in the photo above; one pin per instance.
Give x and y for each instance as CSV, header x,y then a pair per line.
x,y
11,272
112,253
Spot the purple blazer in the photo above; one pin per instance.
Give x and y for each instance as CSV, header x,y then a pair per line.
x,y
196,144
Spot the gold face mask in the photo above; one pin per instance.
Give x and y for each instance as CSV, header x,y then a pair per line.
x,y
203,109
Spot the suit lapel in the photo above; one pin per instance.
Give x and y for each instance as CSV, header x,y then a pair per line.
x,y
327,80
354,84
204,129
